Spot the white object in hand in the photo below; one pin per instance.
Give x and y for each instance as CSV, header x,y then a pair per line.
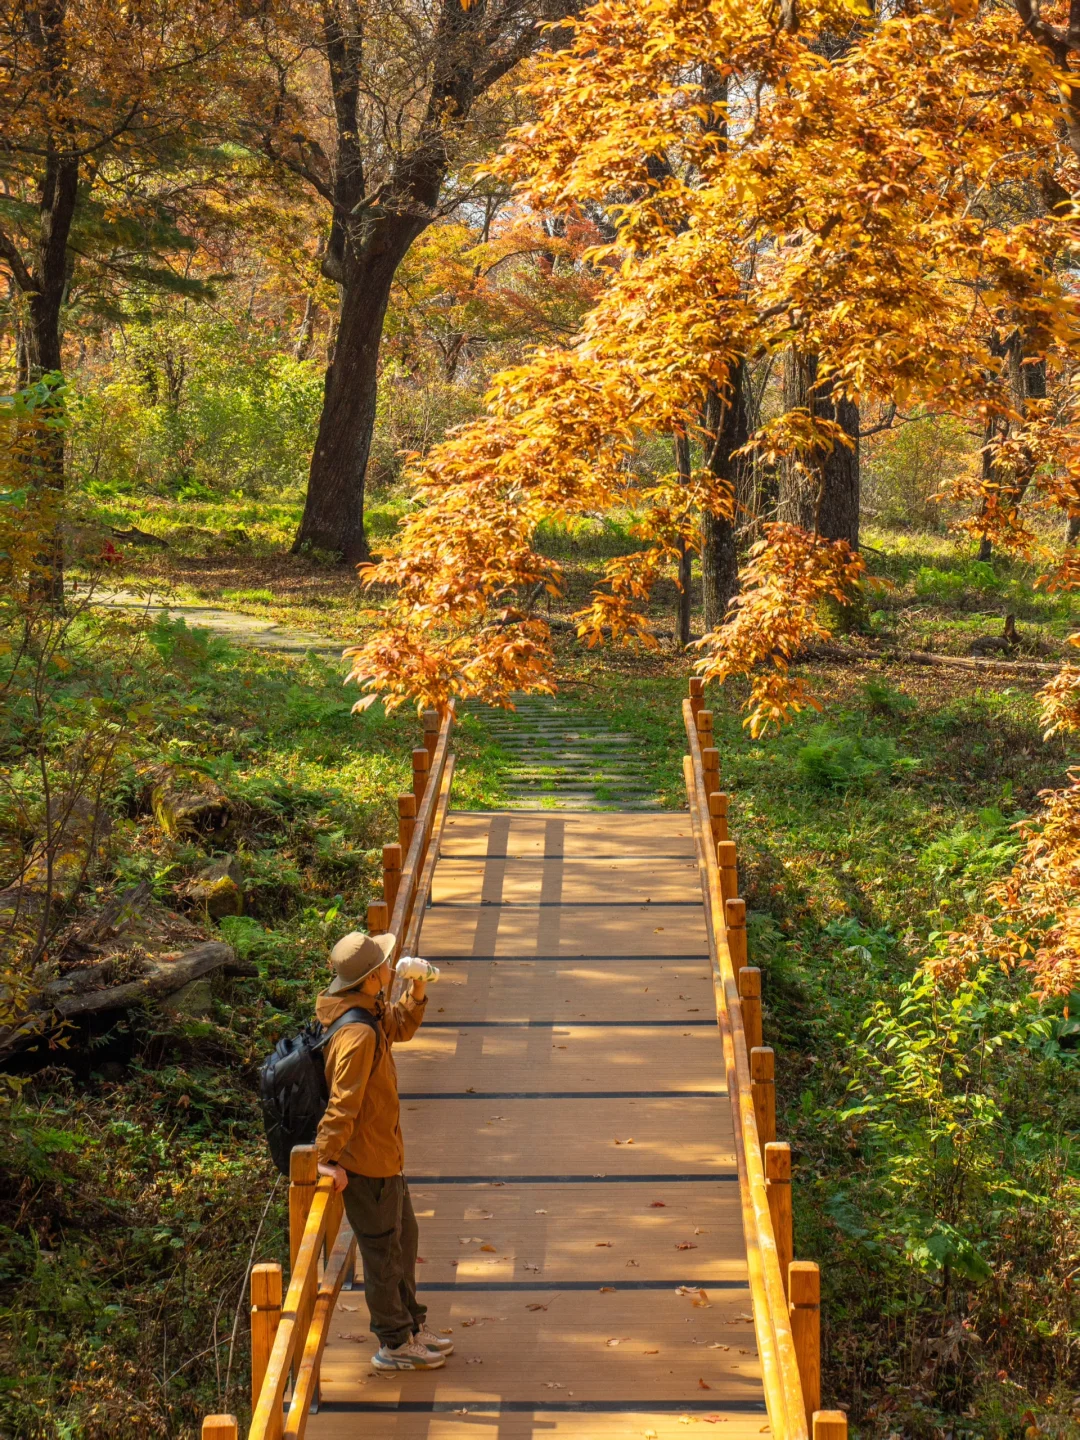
x,y
411,967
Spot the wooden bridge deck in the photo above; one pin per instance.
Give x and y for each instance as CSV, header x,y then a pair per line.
x,y
569,1151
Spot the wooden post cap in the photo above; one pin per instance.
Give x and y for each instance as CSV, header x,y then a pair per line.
x,y
391,856
718,803
804,1283
734,910
710,759
303,1165
750,981
266,1286
704,721
220,1427
406,805
725,854
762,1061
778,1162
830,1425
697,686
378,918
432,720
421,760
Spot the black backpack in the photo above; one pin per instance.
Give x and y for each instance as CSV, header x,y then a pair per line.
x,y
292,1085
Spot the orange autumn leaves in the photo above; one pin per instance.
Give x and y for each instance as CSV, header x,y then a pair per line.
x,y
764,196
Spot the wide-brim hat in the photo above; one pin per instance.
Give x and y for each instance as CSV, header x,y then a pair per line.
x,y
355,956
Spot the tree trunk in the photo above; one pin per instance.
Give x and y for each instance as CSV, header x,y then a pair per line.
x,y
682,465
1026,382
333,517
726,424
825,503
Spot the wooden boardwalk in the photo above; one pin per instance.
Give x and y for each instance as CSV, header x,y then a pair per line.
x,y
569,1150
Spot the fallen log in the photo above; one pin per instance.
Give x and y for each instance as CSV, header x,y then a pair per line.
x,y
87,991
927,657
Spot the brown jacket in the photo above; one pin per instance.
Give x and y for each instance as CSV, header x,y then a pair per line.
x,y
361,1128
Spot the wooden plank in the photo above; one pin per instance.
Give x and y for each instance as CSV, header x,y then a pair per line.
x,y
528,880
638,989
510,1352
525,833
573,1058
567,1137
480,1423
560,1229
625,930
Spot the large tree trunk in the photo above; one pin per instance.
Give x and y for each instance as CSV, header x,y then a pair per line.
x,y
726,431
825,503
682,466
333,517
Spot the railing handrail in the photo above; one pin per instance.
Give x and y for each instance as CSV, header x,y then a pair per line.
x,y
780,1370
413,865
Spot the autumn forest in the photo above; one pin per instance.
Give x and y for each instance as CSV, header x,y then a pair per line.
x,y
520,349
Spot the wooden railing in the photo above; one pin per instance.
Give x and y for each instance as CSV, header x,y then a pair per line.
x,y
786,1292
288,1335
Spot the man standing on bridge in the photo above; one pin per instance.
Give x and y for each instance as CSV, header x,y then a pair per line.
x,y
359,1141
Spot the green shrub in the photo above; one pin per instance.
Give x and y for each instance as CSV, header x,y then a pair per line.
x,y
882,699
836,762
973,851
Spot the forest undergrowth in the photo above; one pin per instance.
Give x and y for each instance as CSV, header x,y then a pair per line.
x,y
936,1176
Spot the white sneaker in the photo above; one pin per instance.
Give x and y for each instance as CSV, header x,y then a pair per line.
x,y
442,1344
410,1356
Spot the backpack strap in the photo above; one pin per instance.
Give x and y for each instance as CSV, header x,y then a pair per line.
x,y
351,1017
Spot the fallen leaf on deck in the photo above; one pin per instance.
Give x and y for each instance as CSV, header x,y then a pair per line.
x,y
479,1214
658,1205
473,1360
634,1263
686,1245
450,1331
553,1385
691,1290
607,1289
348,1307
603,1244
650,1352
701,1305
624,1142
539,1212
699,1231
351,1335
716,1345
702,1385
532,1267
650,1435
536,1306
489,1248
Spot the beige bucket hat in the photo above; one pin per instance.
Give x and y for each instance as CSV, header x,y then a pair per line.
x,y
355,956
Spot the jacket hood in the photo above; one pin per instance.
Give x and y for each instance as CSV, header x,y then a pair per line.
x,y
329,1007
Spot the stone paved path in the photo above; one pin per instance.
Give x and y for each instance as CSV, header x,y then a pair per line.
x,y
558,758
229,624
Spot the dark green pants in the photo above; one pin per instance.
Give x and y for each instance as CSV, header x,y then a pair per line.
x,y
381,1215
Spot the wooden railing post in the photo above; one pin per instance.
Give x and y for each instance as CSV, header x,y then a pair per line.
x,y
778,1190
804,1294
391,874
718,815
303,1177
763,1090
265,1315
220,1427
697,695
406,809
750,995
432,722
378,918
703,721
735,924
729,875
829,1425
710,766
421,764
